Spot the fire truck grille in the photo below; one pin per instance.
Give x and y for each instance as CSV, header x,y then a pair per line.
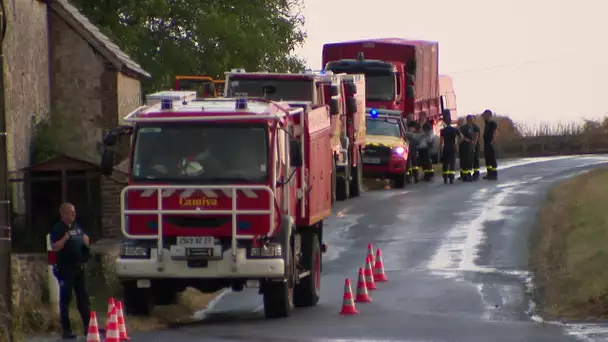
x,y
202,221
378,152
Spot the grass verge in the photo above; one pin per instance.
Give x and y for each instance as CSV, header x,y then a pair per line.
x,y
570,249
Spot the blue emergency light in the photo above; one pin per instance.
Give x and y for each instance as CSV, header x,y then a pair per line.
x,y
166,103
241,103
374,113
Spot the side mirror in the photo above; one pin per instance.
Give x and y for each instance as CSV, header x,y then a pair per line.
x,y
334,90
110,139
351,105
411,67
410,92
295,153
351,88
334,106
107,161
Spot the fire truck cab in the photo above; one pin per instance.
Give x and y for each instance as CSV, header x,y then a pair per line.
x,y
345,96
223,193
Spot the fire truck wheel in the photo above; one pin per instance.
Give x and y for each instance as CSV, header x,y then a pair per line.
x,y
277,299
343,185
356,183
138,302
306,292
334,181
399,181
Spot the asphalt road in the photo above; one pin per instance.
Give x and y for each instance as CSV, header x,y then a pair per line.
x,y
456,258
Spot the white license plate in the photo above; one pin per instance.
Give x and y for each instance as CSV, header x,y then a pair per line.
x,y
196,241
143,283
367,160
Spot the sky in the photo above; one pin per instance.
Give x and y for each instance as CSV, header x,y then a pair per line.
x,y
539,61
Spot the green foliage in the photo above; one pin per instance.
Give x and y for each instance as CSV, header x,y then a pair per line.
x,y
202,37
46,144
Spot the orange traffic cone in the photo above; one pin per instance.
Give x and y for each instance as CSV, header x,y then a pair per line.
x,y
379,275
93,330
370,252
348,305
111,304
362,295
112,334
369,274
122,326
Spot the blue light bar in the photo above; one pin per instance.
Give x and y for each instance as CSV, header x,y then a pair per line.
x,y
241,103
374,113
166,103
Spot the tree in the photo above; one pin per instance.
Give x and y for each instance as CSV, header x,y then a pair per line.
x,y
202,37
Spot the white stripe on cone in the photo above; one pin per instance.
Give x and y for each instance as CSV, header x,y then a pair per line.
x,y
208,193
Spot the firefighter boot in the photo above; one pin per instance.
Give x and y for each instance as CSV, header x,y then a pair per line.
x,y
415,174
476,175
445,179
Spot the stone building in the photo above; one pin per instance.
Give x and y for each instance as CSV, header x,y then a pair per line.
x,y
58,64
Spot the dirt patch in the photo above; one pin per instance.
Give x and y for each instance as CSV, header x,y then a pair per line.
x,y
570,249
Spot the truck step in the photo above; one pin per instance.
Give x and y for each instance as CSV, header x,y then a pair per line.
x,y
303,274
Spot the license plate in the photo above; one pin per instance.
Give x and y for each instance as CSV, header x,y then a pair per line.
x,y
199,252
368,160
196,241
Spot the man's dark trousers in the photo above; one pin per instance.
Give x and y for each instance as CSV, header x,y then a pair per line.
x,y
72,278
491,163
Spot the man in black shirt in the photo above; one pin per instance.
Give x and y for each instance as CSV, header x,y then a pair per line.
x,y
476,132
465,151
490,133
72,247
447,143
412,158
425,145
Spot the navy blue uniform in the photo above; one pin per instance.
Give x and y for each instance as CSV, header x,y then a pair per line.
x,y
476,150
465,151
448,153
70,273
488,149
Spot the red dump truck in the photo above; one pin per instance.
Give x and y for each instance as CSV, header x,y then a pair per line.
x,y
345,95
223,193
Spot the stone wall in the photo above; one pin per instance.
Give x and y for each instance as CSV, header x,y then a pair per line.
x,y
110,204
77,90
29,272
26,80
129,95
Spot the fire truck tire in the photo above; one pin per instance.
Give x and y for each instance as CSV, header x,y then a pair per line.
x,y
138,302
399,181
356,183
306,292
334,181
277,299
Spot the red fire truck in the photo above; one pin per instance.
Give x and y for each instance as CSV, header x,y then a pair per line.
x,y
345,94
223,193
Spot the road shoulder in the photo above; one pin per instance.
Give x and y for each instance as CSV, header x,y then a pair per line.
x,y
569,249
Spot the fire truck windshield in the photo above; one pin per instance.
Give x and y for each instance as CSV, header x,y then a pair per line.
x,y
201,153
379,87
382,127
276,89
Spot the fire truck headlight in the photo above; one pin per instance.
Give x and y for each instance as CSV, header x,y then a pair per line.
x,y
271,250
399,150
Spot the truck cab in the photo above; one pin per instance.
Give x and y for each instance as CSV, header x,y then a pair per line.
x,y
345,96
223,193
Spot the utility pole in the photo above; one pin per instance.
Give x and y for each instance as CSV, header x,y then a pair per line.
x,y
6,283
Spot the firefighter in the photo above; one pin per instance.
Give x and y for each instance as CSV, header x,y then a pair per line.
x,y
490,132
425,145
412,158
447,143
465,152
476,133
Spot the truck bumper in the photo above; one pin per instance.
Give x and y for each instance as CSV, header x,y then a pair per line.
x,y
172,267
394,167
